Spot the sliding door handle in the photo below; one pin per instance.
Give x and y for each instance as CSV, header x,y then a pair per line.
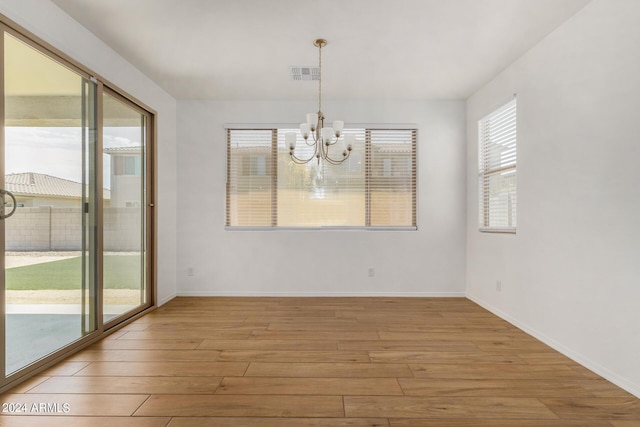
x,y
4,193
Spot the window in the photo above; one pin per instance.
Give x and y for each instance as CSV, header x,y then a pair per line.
x,y
250,192
127,165
375,187
391,177
497,169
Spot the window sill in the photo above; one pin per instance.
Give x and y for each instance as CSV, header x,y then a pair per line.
x,y
332,228
497,230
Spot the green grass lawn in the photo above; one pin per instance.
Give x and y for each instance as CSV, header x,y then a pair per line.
x,y
120,272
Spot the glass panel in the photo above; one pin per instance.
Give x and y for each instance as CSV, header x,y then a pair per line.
x,y
124,137
391,180
498,191
49,242
317,194
249,193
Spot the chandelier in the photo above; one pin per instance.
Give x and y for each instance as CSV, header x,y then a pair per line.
x,y
316,135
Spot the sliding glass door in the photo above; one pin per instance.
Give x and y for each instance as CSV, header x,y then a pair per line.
x,y
125,201
75,208
50,205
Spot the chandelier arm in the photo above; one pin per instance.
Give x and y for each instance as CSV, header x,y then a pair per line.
x,y
334,142
334,161
325,155
300,161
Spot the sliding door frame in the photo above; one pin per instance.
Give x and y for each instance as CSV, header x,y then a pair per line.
x,y
102,329
149,207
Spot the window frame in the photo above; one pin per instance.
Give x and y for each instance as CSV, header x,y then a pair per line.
x,y
485,170
367,173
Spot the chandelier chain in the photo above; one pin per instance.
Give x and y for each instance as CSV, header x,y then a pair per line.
x,y
320,78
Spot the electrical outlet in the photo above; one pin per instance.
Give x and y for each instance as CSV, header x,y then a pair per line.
x,y
498,286
190,271
371,272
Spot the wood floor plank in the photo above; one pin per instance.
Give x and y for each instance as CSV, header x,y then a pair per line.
x,y
314,325
470,335
29,384
242,406
604,408
444,357
145,355
66,421
167,319
400,316
310,386
517,346
546,358
310,306
167,369
213,314
268,345
380,345
65,368
621,423
444,325
329,370
148,344
293,356
319,335
600,387
276,422
78,404
129,385
501,371
492,387
436,408
494,422
205,327
212,334
297,312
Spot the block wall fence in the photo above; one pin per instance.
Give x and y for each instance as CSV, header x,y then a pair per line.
x,y
60,229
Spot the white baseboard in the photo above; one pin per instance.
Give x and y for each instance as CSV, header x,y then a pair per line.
x,y
319,294
578,358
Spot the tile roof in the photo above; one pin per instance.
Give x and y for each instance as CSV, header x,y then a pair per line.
x,y
115,150
38,184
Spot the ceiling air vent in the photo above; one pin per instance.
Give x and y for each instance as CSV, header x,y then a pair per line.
x,y
305,73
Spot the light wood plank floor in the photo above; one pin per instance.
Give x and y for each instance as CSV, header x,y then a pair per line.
x,y
321,362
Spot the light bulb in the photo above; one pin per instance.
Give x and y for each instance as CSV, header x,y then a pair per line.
x,y
290,138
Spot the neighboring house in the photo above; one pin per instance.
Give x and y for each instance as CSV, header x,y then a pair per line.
x,y
126,176
39,190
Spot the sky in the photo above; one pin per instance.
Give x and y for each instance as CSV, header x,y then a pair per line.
x,y
57,151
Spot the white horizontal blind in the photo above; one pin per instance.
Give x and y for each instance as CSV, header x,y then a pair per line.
x,y
317,194
250,177
375,187
497,169
391,177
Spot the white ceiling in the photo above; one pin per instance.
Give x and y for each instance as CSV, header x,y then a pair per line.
x,y
377,49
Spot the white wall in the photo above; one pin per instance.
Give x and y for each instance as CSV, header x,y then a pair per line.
x,y
570,276
427,262
47,21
